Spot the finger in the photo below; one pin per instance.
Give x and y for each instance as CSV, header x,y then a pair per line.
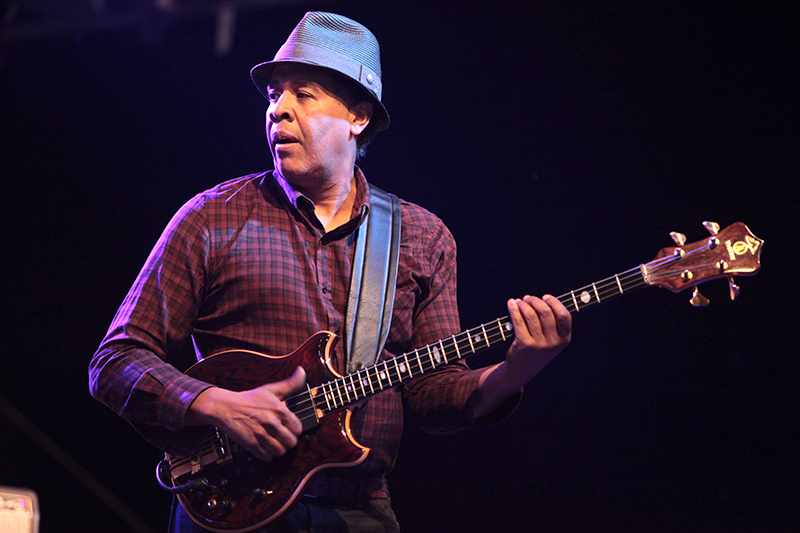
x,y
273,440
267,448
284,388
539,316
563,318
291,422
539,306
519,321
281,439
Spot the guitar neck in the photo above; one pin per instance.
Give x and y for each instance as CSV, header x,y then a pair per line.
x,y
345,391
600,291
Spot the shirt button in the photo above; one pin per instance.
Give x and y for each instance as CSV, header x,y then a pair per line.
x,y
324,290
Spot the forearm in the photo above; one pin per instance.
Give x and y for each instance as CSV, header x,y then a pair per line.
x,y
542,329
495,387
142,388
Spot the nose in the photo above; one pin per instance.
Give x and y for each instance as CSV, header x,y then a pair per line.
x,y
279,109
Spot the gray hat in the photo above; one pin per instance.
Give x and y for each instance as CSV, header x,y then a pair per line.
x,y
336,43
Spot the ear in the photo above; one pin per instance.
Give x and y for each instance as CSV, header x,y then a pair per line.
x,y
362,114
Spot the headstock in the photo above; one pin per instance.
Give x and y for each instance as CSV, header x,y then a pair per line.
x,y
732,251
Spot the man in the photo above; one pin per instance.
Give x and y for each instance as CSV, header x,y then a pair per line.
x,y
264,261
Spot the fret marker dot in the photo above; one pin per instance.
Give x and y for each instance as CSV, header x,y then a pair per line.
x,y
402,367
437,354
586,297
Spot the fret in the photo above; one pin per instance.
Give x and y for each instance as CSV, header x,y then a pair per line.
x,y
397,369
455,345
430,356
438,355
348,387
337,402
414,357
312,401
500,329
469,338
375,381
361,382
421,362
596,294
345,388
575,300
485,337
387,373
327,398
358,380
331,397
418,358
477,339
619,283
408,365
369,380
338,390
353,385
443,352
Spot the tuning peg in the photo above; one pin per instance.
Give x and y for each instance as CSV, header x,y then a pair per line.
x,y
712,227
679,238
697,299
735,290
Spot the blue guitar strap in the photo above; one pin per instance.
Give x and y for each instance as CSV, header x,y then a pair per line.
x,y
372,284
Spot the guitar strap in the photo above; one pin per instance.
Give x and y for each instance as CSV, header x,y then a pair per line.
x,y
372,285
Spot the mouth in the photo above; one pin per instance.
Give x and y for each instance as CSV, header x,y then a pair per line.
x,y
280,138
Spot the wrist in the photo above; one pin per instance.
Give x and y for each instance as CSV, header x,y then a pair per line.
x,y
205,407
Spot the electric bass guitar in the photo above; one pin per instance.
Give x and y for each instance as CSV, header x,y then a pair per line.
x,y
225,489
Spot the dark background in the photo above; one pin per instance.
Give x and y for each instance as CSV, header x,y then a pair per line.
x,y
560,142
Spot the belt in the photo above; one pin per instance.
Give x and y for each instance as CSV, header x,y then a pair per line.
x,y
346,489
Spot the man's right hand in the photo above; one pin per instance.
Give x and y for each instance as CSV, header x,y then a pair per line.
x,y
256,419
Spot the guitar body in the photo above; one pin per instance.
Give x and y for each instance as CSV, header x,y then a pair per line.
x,y
244,493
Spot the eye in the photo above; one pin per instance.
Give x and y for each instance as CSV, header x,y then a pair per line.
x,y
273,95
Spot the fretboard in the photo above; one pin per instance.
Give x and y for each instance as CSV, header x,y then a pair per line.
x,y
600,291
347,390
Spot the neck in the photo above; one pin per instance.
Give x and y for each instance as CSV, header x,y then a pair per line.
x,y
333,196
334,205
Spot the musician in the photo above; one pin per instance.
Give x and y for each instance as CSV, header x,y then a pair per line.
x,y
262,262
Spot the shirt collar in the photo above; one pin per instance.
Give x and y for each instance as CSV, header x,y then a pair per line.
x,y
303,205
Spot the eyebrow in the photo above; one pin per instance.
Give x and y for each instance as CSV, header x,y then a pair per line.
x,y
294,81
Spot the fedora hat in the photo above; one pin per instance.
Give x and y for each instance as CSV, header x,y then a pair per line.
x,y
335,43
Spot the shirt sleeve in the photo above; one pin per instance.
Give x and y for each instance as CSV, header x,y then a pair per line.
x,y
443,401
130,373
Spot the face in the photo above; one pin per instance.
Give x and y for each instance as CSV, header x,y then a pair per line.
x,y
311,132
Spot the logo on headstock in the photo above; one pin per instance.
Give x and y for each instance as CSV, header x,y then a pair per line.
x,y
748,245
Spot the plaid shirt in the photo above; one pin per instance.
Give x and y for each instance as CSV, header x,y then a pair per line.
x,y
247,265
